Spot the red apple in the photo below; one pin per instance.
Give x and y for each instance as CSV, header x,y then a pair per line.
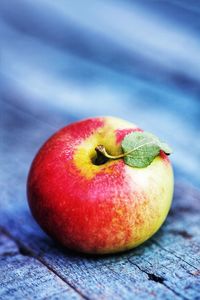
x,y
92,208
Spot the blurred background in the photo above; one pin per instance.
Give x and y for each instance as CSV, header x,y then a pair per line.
x,y
61,61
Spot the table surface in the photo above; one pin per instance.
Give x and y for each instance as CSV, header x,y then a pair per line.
x,y
50,78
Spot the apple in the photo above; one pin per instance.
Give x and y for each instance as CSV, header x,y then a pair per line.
x,y
96,206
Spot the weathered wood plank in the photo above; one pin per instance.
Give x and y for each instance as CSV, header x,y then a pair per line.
x,y
24,277
160,265
94,81
157,114
7,246
100,280
150,267
166,267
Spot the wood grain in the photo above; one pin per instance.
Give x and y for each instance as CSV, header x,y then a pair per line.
x,y
32,265
24,277
58,66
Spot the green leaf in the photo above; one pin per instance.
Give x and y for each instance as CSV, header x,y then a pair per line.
x,y
141,148
164,147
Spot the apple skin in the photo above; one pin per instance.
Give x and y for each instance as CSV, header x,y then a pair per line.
x,y
97,208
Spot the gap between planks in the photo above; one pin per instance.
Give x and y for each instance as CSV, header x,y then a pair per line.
x,y
25,251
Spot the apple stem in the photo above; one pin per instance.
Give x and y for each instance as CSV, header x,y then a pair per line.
x,y
101,152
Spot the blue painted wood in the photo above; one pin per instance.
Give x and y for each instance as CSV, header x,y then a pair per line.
x,y
62,62
24,277
166,267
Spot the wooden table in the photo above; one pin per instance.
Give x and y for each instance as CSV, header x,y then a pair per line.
x,y
37,96
33,267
